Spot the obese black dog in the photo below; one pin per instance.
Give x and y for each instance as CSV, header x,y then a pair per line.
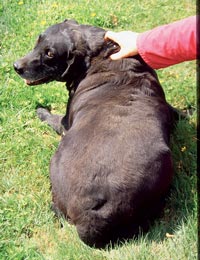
x,y
113,166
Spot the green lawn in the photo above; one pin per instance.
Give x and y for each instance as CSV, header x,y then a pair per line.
x,y
28,228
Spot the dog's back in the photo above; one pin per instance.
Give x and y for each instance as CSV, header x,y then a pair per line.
x,y
114,166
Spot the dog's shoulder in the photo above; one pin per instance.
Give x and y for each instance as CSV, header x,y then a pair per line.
x,y
132,72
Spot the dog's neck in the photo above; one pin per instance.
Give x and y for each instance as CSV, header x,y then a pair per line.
x,y
82,65
99,61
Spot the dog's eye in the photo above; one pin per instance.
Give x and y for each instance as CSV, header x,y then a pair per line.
x,y
49,53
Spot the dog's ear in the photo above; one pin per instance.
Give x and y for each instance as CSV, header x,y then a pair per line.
x,y
93,38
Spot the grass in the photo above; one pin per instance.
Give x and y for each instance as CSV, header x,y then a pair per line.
x,y
28,228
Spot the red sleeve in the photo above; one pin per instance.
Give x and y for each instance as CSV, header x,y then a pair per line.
x,y
169,44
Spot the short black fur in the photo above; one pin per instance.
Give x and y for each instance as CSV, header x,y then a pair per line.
x,y
113,166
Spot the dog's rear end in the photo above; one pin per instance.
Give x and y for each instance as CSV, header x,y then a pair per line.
x,y
113,166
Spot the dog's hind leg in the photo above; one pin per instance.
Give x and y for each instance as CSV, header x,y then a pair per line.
x,y
55,121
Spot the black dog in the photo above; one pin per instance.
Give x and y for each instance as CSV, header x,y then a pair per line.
x,y
113,166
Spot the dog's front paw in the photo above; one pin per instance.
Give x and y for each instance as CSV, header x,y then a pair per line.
x,y
43,113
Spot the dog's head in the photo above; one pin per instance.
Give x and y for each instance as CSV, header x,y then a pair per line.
x,y
63,53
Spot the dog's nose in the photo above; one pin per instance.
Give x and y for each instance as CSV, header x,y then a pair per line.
x,y
18,68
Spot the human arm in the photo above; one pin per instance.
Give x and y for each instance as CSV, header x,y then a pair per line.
x,y
162,46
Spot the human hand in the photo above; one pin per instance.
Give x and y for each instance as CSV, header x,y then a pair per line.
x,y
127,42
